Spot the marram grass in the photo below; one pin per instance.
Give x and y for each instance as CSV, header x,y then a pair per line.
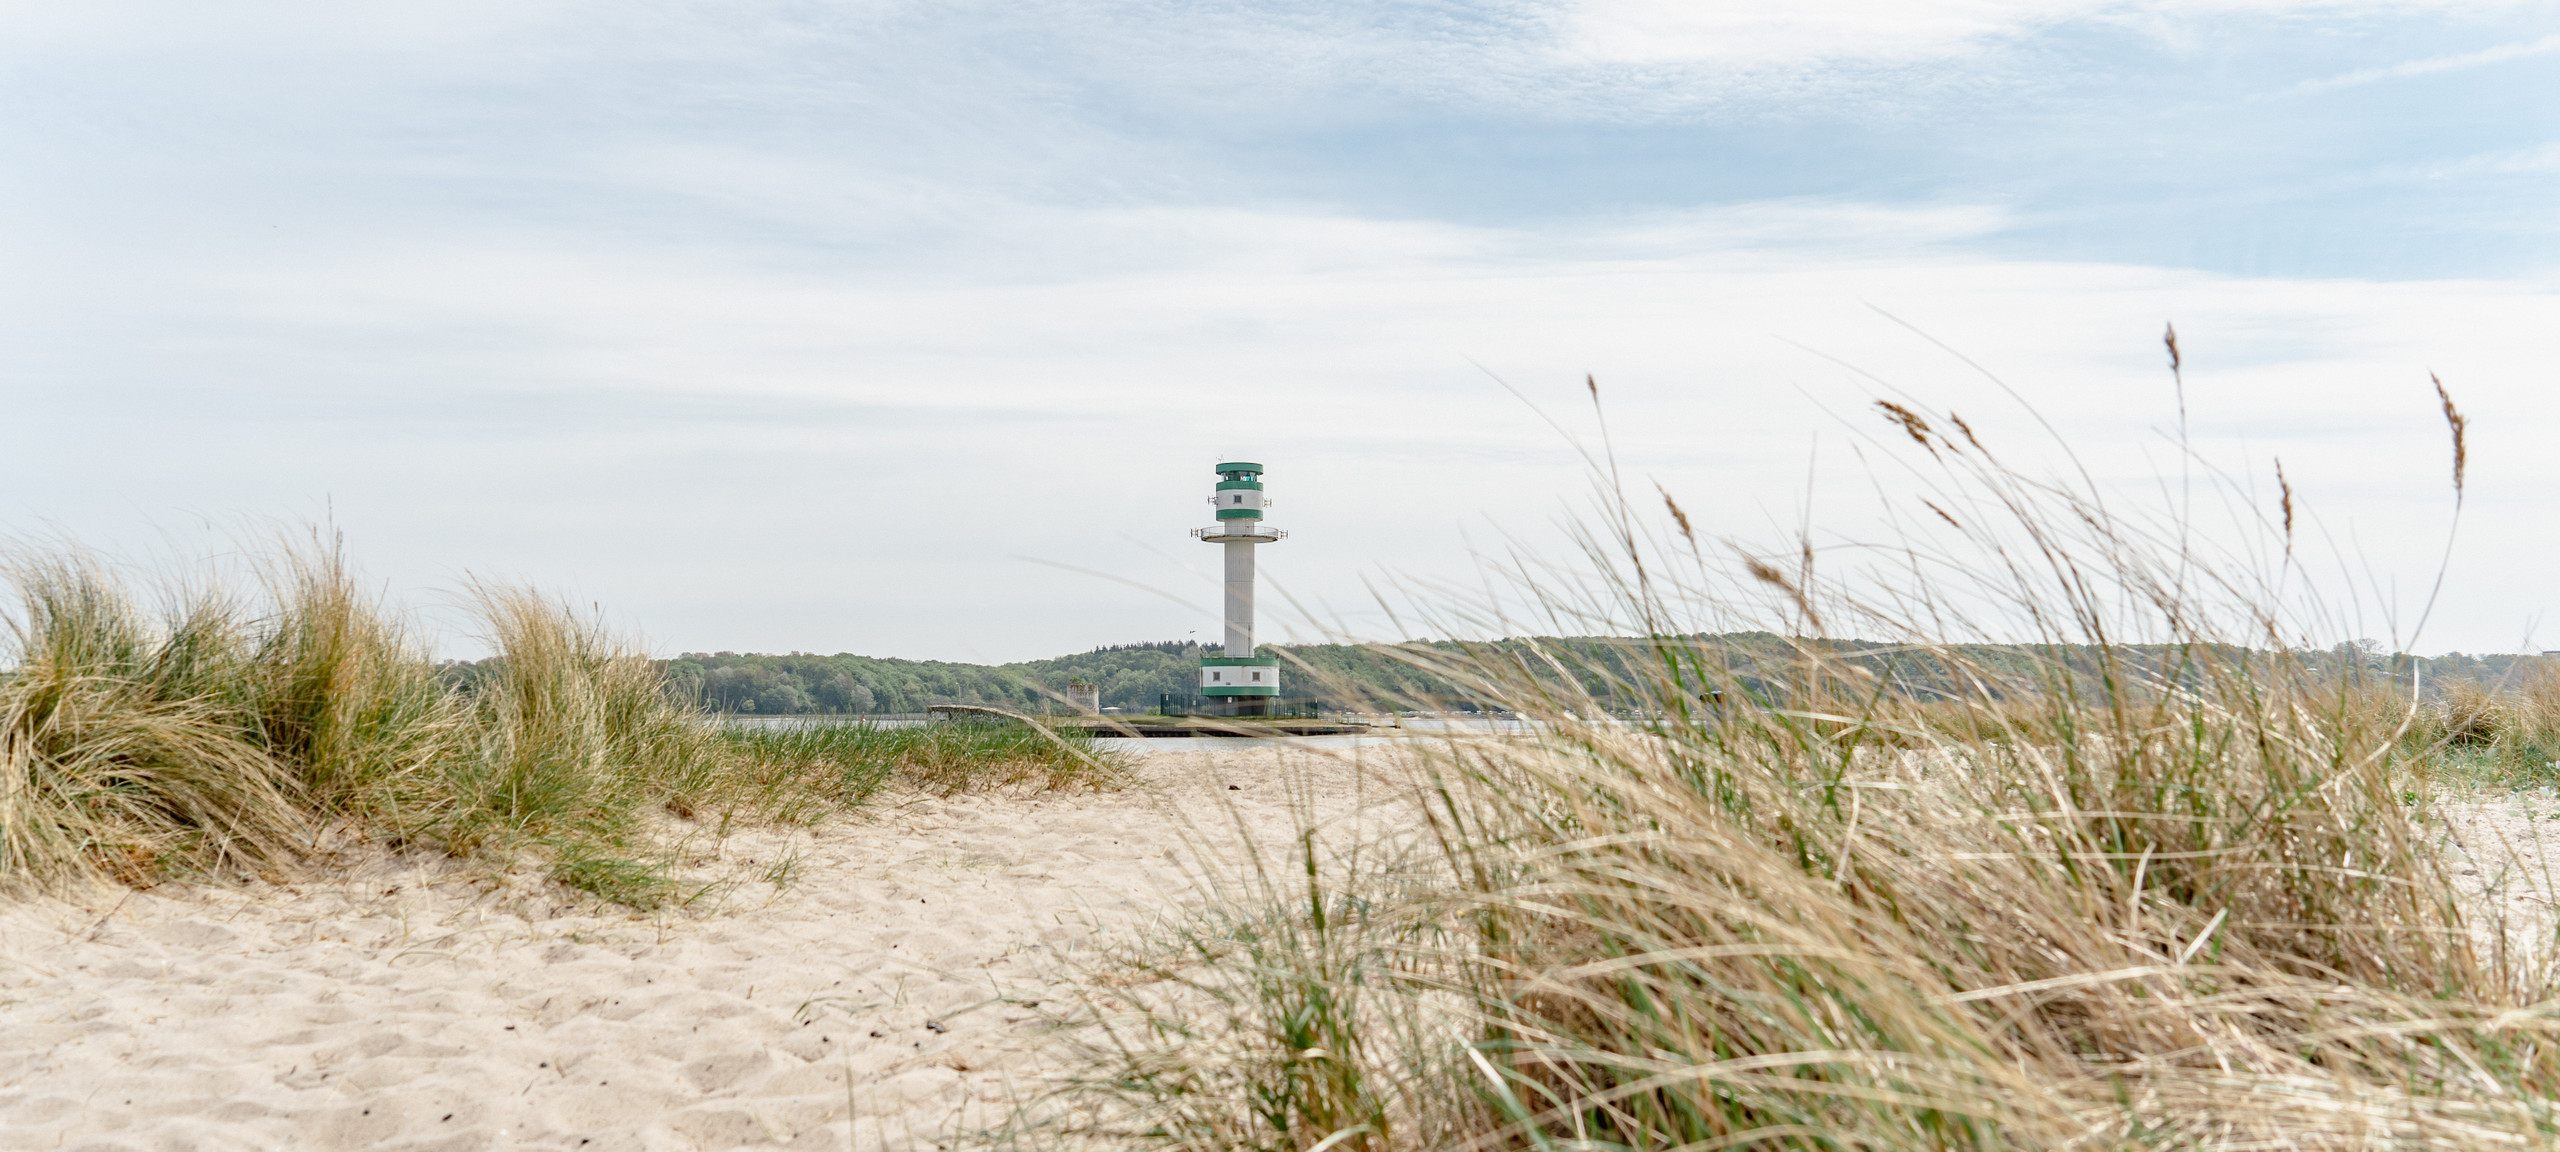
x,y
189,731
2162,879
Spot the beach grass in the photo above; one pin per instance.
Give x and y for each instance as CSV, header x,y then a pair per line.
x,y
2168,878
185,728
806,768
2495,737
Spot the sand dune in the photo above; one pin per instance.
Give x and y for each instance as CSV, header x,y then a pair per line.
x,y
408,1002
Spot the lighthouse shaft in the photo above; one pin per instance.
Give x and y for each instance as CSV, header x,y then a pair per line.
x,y
1239,597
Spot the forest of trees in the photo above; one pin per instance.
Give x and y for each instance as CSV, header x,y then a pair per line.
x,y
1134,677
1131,677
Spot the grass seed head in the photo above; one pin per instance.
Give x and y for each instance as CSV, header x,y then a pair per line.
x,y
2460,426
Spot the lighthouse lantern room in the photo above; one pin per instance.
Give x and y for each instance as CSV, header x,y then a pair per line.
x,y
1244,681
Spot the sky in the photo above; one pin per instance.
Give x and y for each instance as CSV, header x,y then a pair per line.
x,y
912,329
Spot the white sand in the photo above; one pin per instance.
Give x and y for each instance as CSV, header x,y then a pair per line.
x,y
410,1003
397,1003
2505,852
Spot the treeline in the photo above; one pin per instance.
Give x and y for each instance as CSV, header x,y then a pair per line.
x,y
1761,665
1130,677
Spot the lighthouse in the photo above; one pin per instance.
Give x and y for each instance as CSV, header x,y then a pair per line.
x,y
1243,681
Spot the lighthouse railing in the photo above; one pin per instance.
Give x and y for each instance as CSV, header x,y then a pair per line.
x,y
1254,533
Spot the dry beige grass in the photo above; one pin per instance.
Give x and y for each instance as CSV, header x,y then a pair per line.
x,y
2186,893
223,733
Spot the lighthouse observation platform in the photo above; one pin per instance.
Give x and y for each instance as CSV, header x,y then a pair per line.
x,y
1239,532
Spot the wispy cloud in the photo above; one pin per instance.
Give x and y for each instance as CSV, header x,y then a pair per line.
x,y
2427,67
1779,35
2538,160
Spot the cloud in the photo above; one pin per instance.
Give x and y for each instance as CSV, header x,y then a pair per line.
x,y
759,322
2500,54
275,28
1777,35
1652,60
1752,33
1241,63
2542,159
751,452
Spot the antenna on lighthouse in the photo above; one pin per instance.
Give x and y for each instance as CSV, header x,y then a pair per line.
x,y
1245,682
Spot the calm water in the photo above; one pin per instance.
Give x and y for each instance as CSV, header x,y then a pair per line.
x,y
1409,728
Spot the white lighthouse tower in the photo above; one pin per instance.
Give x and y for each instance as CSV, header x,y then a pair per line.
x,y
1244,681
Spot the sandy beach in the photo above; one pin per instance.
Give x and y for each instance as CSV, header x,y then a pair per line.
x,y
895,976
416,1002
2502,850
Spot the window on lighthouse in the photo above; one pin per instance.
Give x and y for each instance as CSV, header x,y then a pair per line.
x,y
1239,498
